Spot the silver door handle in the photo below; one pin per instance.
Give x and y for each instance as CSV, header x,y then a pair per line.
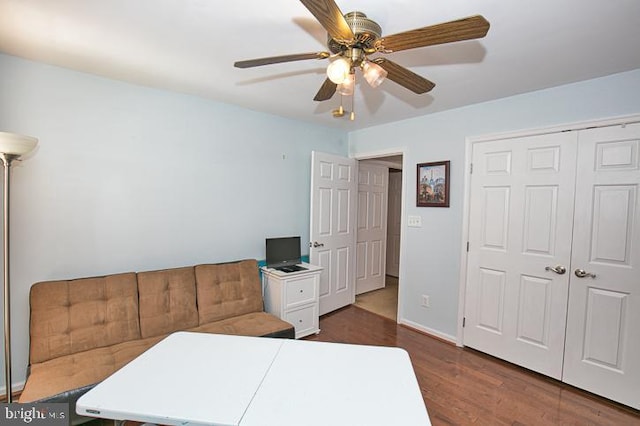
x,y
581,273
317,244
559,269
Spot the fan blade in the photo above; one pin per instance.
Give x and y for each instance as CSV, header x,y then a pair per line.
x,y
462,29
404,77
326,91
277,59
329,15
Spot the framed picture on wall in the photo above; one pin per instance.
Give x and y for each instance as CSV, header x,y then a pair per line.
x,y
432,188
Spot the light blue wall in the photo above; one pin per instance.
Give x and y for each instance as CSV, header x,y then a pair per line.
x,y
129,178
431,255
132,178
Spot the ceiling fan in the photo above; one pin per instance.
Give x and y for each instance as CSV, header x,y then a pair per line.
x,y
353,37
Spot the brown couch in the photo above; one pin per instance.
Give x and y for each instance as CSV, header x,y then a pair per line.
x,y
83,330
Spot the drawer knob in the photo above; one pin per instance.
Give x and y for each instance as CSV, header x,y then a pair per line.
x,y
301,291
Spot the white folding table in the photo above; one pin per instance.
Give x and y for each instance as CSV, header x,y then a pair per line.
x,y
212,379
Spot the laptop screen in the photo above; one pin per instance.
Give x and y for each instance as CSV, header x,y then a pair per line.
x,y
283,251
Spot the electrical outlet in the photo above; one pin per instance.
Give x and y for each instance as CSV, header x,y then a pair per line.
x,y
414,221
425,301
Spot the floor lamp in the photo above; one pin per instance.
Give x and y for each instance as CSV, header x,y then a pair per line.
x,y
12,146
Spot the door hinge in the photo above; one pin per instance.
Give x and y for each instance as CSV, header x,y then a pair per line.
x,y
471,168
467,246
464,320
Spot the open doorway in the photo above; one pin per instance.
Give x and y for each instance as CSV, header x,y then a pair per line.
x,y
378,251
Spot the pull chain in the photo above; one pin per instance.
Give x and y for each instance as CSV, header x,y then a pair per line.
x,y
337,113
352,116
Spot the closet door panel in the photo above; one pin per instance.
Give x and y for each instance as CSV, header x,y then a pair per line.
x,y
520,221
602,352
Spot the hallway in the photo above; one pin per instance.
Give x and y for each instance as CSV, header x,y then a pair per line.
x,y
383,301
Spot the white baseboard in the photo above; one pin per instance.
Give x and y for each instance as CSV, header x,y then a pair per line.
x,y
427,330
15,387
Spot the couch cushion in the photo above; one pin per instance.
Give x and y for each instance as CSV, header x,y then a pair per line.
x,y
80,369
228,289
167,301
252,324
78,315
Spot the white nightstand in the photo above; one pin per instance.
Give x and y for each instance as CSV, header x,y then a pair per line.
x,y
293,297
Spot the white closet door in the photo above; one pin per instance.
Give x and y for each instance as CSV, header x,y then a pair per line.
x,y
603,324
520,222
371,236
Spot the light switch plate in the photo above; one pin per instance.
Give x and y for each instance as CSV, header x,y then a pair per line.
x,y
414,221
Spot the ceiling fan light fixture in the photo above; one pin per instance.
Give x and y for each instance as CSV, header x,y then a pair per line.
x,y
339,70
373,73
352,37
346,87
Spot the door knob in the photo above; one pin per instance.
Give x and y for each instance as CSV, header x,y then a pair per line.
x,y
581,273
317,244
558,269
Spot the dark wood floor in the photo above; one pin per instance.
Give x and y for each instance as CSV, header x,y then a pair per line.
x,y
463,386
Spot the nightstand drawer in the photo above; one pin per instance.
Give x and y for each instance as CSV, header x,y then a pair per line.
x,y
305,320
300,291
294,297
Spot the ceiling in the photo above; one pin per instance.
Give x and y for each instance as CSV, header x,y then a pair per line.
x,y
190,46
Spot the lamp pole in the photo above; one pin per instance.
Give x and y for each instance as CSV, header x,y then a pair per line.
x,y
6,162
12,146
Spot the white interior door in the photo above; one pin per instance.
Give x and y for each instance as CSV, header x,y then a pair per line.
x,y
603,325
520,224
371,236
333,227
394,209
